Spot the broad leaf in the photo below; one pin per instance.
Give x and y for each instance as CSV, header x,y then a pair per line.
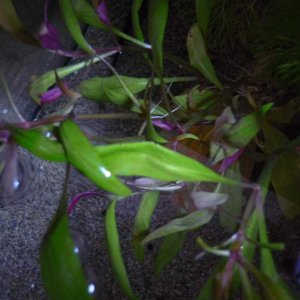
x,y
82,155
198,56
110,89
286,173
151,160
157,21
61,269
169,248
142,222
10,21
114,251
73,25
192,221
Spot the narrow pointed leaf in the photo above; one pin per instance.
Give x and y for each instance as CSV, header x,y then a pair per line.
x,y
87,14
203,11
135,7
198,56
82,156
151,160
10,21
142,222
169,248
192,221
157,21
73,25
61,269
114,251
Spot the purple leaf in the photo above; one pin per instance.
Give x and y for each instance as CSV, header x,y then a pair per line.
x,y
230,160
103,13
51,95
49,37
78,197
167,125
4,136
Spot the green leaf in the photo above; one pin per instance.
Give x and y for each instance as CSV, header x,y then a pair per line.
x,y
110,88
235,200
286,174
249,292
192,221
36,142
87,14
148,159
198,56
114,251
157,20
169,248
41,84
82,155
203,11
137,29
73,25
10,21
142,222
241,133
152,134
61,269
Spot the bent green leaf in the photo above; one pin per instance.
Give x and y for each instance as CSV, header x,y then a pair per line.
x,y
203,11
61,268
192,221
198,56
142,222
82,156
114,251
73,25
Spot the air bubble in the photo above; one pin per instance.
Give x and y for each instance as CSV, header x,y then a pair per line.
x,y
91,288
5,111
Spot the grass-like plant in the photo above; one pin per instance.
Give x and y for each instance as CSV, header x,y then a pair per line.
x,y
215,126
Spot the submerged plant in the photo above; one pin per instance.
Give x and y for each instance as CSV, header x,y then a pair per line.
x,y
214,126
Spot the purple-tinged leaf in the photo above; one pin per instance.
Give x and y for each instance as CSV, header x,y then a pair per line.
x,y
51,95
49,37
103,13
4,136
230,160
78,197
203,200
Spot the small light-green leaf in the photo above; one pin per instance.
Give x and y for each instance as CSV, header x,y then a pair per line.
x,y
169,248
142,222
198,56
192,221
114,251
148,159
157,20
61,269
